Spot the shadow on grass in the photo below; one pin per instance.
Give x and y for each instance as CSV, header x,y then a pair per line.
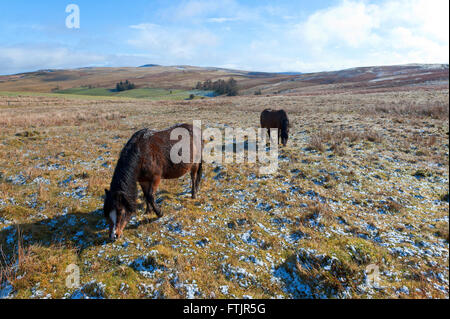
x,y
79,230
292,283
309,274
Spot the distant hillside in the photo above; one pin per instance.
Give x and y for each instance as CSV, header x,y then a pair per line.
x,y
148,65
290,73
165,77
379,78
399,77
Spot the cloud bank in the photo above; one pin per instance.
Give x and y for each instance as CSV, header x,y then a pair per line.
x,y
350,33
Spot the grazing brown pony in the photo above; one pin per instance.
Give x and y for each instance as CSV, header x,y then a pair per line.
x,y
146,160
272,119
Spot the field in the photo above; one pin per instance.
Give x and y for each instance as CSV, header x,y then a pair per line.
x,y
158,77
362,182
140,93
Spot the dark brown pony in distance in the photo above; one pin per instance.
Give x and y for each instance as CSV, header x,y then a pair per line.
x,y
145,159
272,119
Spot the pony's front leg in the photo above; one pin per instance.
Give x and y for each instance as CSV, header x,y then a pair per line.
x,y
145,189
155,208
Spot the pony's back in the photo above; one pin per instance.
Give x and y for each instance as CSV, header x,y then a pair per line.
x,y
273,118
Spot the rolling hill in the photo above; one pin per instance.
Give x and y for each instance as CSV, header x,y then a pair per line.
x,y
380,78
165,77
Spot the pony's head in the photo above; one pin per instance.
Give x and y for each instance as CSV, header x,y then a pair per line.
x,y
284,131
117,212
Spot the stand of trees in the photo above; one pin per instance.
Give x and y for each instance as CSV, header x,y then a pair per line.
x,y
220,87
123,86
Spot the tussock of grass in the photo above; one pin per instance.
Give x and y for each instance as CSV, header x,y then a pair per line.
x,y
316,143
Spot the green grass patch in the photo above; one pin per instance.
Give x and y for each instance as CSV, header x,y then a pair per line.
x,y
57,95
140,93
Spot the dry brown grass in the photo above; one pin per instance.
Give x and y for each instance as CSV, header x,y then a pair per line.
x,y
373,136
9,268
443,231
338,148
316,143
394,206
316,211
54,118
438,110
343,194
339,139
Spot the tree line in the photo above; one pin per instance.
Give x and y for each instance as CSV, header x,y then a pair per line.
x,y
220,87
123,86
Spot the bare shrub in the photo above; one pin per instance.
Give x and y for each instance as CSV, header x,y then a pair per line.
x,y
373,136
394,206
316,211
9,268
436,111
443,231
316,143
338,148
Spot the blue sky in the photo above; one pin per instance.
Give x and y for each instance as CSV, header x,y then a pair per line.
x,y
255,35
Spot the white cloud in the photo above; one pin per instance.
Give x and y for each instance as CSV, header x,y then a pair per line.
x,y
425,17
390,32
16,59
221,20
20,58
196,8
350,23
176,44
200,11
350,33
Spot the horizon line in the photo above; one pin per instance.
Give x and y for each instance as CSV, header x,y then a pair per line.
x,y
218,67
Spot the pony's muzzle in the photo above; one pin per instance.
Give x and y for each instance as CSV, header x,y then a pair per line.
x,y
113,236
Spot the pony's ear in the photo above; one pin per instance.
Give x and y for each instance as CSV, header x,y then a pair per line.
x,y
106,192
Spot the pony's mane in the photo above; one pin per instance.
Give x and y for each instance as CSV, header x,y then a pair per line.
x,y
125,174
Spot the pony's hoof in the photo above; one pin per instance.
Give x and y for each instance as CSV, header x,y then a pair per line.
x,y
159,214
